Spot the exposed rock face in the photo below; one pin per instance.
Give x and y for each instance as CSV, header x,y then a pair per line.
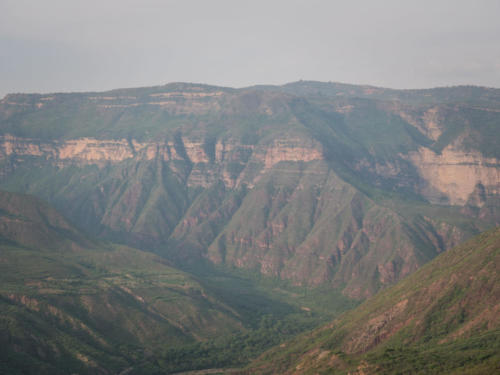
x,y
293,182
88,151
91,150
428,123
290,150
454,174
11,145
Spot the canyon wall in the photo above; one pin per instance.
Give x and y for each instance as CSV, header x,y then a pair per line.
x,y
356,192
88,151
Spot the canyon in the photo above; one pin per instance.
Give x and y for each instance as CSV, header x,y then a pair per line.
x,y
296,181
186,226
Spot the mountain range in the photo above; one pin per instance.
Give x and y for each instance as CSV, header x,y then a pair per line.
x,y
309,182
212,212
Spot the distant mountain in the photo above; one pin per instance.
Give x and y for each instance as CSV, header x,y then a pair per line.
x,y
465,95
443,319
315,183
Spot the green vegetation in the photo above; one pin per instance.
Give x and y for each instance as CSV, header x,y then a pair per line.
x,y
268,209
476,355
440,320
471,95
86,306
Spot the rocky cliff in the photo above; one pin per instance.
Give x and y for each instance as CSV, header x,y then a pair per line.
x,y
315,184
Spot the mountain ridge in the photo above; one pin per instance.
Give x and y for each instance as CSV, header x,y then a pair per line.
x,y
260,86
130,164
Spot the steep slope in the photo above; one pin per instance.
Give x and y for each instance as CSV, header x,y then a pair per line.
x,y
442,319
26,221
292,182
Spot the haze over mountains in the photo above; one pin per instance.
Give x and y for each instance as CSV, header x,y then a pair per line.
x,y
357,186
317,186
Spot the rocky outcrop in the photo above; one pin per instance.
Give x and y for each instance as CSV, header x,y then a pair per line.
x,y
428,122
289,150
92,150
453,175
229,159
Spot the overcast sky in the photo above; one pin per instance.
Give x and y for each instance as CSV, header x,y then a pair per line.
x,y
76,45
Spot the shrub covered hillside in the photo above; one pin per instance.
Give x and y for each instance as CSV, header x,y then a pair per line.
x,y
443,319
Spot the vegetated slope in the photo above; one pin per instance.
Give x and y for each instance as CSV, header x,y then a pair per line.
x,y
310,182
69,304
472,95
442,319
26,221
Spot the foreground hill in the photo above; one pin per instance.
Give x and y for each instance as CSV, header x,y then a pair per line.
x,y
315,183
69,304
445,318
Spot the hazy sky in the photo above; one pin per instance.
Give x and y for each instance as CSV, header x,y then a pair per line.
x,y
74,45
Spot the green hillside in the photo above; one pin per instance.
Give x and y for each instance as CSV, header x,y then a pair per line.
x,y
443,319
70,304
